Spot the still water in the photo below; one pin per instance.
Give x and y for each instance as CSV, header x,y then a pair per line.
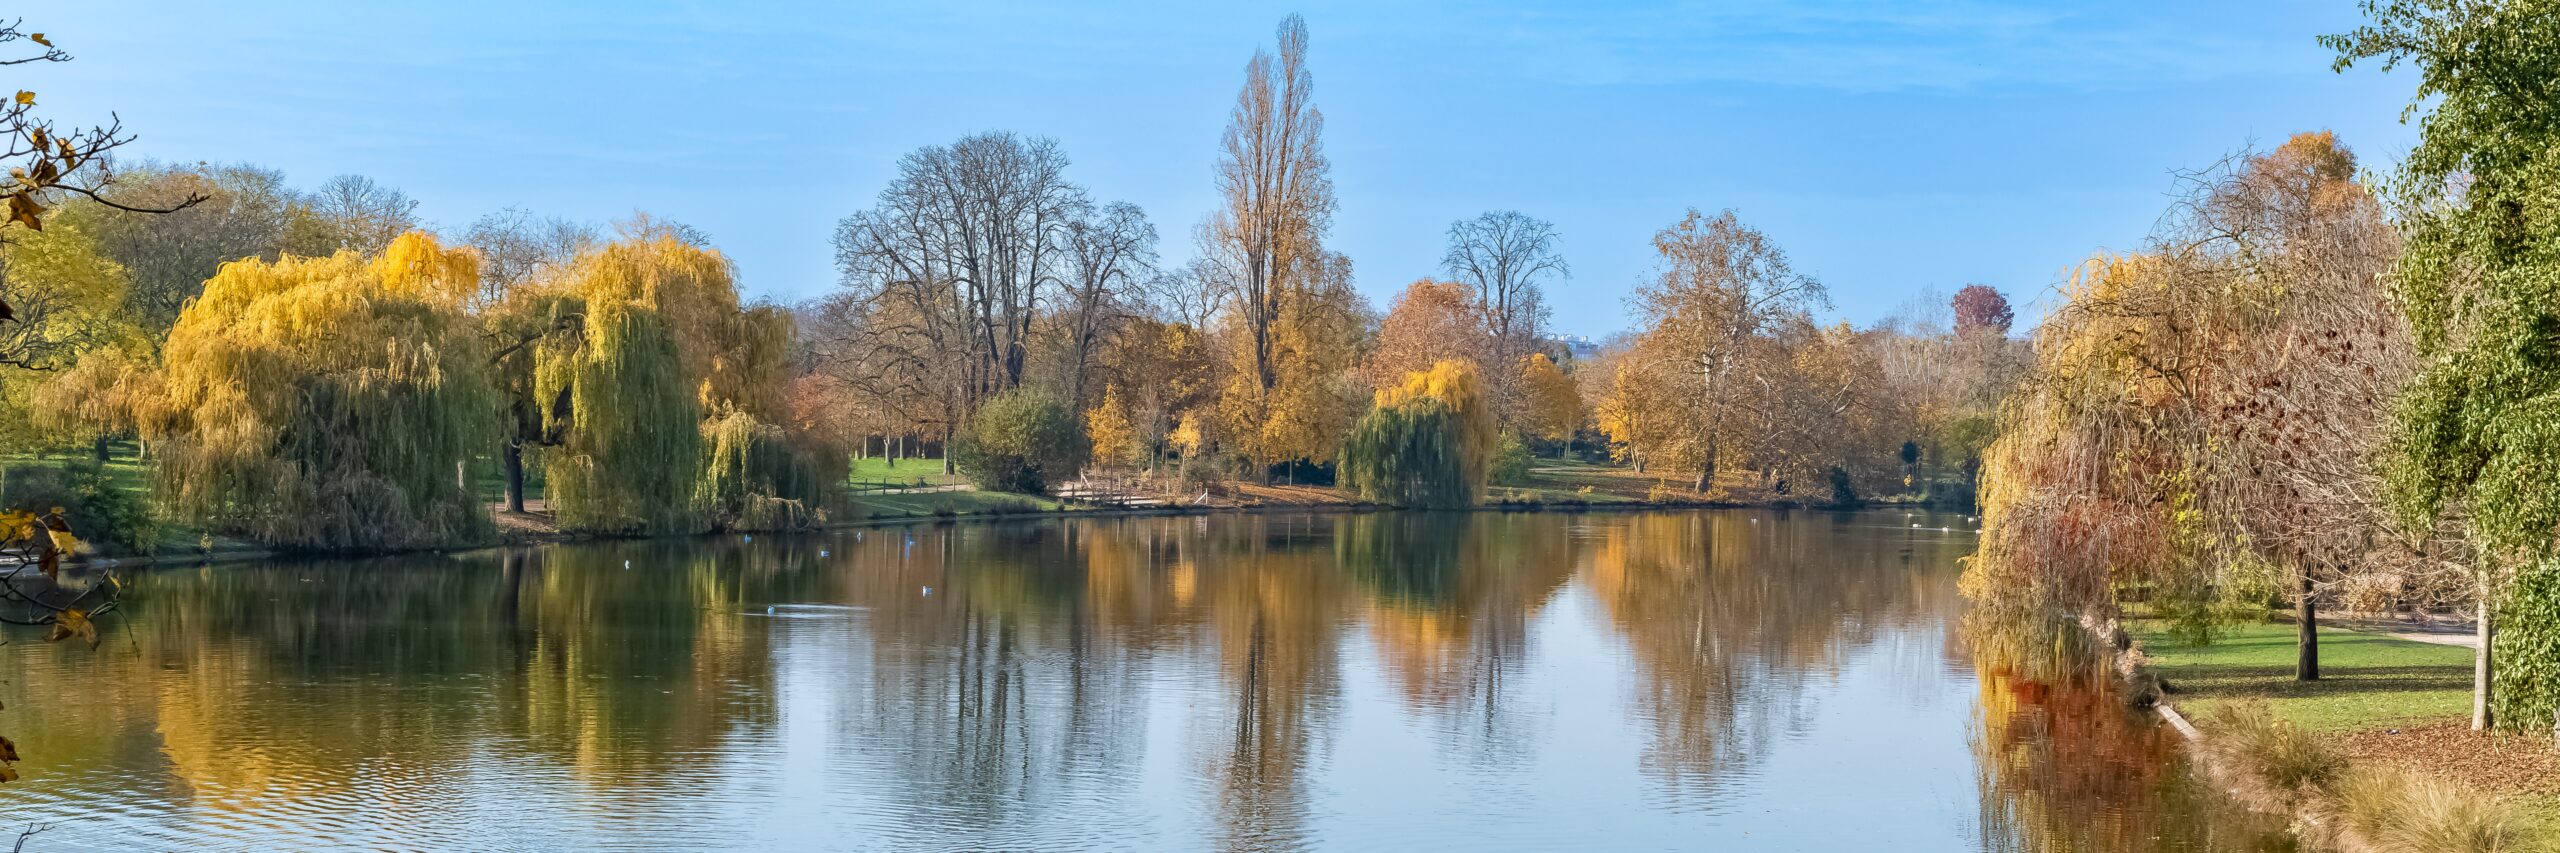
x,y
1730,680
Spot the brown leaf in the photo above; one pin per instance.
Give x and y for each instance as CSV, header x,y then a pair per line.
x,y
24,211
39,39
8,749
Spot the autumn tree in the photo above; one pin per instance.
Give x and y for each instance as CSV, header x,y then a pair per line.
x,y
329,402
1720,287
1551,404
658,348
1427,442
1981,310
1430,322
1270,265
2476,203
1109,430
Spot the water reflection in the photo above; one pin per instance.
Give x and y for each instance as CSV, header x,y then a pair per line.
x,y
1254,682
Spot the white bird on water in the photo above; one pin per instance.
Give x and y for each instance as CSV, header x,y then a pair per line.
x,y
626,565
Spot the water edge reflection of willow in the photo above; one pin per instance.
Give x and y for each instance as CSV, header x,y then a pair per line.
x,y
1031,684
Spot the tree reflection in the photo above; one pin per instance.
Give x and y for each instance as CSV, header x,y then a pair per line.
x,y
1729,621
1017,685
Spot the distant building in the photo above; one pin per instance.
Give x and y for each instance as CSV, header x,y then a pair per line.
x,y
1579,347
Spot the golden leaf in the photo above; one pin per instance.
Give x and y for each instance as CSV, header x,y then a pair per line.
x,y
24,211
73,623
26,97
39,39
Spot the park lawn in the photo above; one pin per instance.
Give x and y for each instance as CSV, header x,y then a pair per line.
x,y
1608,483
961,502
875,470
2366,680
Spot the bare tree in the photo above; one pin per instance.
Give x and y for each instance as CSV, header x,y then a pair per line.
x,y
1110,254
351,212
517,247
1503,257
950,269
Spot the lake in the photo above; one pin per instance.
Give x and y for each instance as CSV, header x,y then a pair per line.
x,y
1726,680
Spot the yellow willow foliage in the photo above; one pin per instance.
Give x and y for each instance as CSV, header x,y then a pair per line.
x,y
1553,404
328,402
2099,474
662,344
1429,442
755,478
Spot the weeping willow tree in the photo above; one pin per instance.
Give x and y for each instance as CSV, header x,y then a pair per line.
x,y
663,398
1428,442
328,403
756,476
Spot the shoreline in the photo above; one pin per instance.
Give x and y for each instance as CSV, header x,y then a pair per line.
x,y
1327,508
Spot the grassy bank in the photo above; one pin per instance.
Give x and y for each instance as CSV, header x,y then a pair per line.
x,y
2379,751
2367,680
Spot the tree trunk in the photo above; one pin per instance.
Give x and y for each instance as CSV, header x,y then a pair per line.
x,y
513,458
893,449
2306,617
2480,718
947,470
102,449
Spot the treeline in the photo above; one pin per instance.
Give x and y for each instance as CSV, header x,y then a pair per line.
x,y
982,273
318,370
2311,387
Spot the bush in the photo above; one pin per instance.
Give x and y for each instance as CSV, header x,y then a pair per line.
x,y
1021,441
1511,461
100,513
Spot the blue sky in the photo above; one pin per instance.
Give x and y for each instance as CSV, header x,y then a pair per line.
x,y
1889,146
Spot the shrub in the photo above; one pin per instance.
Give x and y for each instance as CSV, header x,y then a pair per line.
x,y
1021,441
2275,752
100,513
1511,461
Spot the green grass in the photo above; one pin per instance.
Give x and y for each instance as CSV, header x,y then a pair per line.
x,y
2366,680
875,470
969,502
